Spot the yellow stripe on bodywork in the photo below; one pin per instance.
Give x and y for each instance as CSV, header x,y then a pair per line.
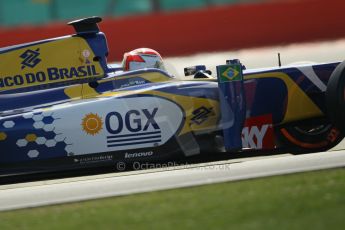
x,y
149,76
156,77
189,105
299,105
81,92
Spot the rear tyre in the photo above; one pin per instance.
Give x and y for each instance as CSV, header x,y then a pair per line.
x,y
335,97
310,137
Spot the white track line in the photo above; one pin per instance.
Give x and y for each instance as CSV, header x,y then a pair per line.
x,y
75,191
134,172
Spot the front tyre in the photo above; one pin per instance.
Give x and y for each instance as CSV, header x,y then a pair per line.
x,y
335,97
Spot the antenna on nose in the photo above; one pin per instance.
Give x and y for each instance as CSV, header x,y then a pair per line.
x,y
279,60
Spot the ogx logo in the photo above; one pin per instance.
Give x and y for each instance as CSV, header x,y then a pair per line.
x,y
134,127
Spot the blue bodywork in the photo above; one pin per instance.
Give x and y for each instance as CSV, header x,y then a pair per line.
x,y
26,117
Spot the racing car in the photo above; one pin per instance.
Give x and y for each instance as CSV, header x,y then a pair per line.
x,y
62,106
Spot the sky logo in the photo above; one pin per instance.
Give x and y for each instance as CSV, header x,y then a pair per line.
x,y
30,58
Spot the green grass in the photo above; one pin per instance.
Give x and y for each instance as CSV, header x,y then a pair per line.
x,y
314,200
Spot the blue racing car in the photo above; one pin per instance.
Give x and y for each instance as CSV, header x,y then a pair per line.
x,y
62,106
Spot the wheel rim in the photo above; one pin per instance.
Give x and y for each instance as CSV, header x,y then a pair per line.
x,y
313,130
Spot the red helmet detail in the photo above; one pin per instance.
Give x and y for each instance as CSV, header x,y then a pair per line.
x,y
142,58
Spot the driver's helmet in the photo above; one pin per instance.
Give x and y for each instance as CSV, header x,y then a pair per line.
x,y
142,58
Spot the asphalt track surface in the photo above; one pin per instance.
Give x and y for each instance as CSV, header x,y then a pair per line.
x,y
48,192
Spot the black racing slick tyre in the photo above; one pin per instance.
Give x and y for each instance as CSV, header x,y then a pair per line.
x,y
335,97
310,137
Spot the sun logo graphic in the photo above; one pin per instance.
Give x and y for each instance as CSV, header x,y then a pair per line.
x,y
92,124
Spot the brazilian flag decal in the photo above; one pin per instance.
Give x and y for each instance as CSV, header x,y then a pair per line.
x,y
227,73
